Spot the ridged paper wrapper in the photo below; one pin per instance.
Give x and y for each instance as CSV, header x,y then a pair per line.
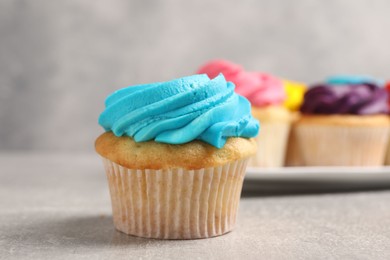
x,y
323,145
272,144
175,203
387,157
293,153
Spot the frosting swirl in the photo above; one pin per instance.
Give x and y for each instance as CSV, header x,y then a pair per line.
x,y
353,79
295,92
387,87
259,88
180,111
357,99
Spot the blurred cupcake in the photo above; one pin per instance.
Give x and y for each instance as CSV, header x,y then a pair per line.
x,y
266,94
343,123
175,155
387,159
354,80
295,92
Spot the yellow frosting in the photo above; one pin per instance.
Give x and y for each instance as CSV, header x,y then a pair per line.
x,y
295,92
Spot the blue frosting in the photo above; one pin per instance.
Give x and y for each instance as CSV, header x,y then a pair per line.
x,y
179,111
353,80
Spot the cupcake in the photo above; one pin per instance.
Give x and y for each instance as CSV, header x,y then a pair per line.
x,y
294,95
175,155
343,124
387,159
353,80
266,94
295,92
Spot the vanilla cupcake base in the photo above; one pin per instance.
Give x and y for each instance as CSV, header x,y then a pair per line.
x,y
342,140
293,154
387,158
271,145
175,203
275,122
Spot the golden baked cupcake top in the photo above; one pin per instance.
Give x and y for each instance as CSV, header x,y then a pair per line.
x,y
153,155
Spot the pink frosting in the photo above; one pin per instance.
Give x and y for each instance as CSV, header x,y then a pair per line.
x,y
259,88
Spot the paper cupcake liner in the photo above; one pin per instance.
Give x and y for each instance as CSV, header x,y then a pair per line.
x,y
387,157
293,153
321,145
177,203
271,143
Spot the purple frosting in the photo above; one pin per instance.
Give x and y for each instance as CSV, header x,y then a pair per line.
x,y
356,99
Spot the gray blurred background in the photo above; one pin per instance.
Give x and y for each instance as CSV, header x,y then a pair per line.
x,y
60,59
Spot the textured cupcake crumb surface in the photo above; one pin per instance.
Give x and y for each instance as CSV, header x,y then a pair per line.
x,y
152,155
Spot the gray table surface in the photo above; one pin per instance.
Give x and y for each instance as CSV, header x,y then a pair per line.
x,y
56,206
